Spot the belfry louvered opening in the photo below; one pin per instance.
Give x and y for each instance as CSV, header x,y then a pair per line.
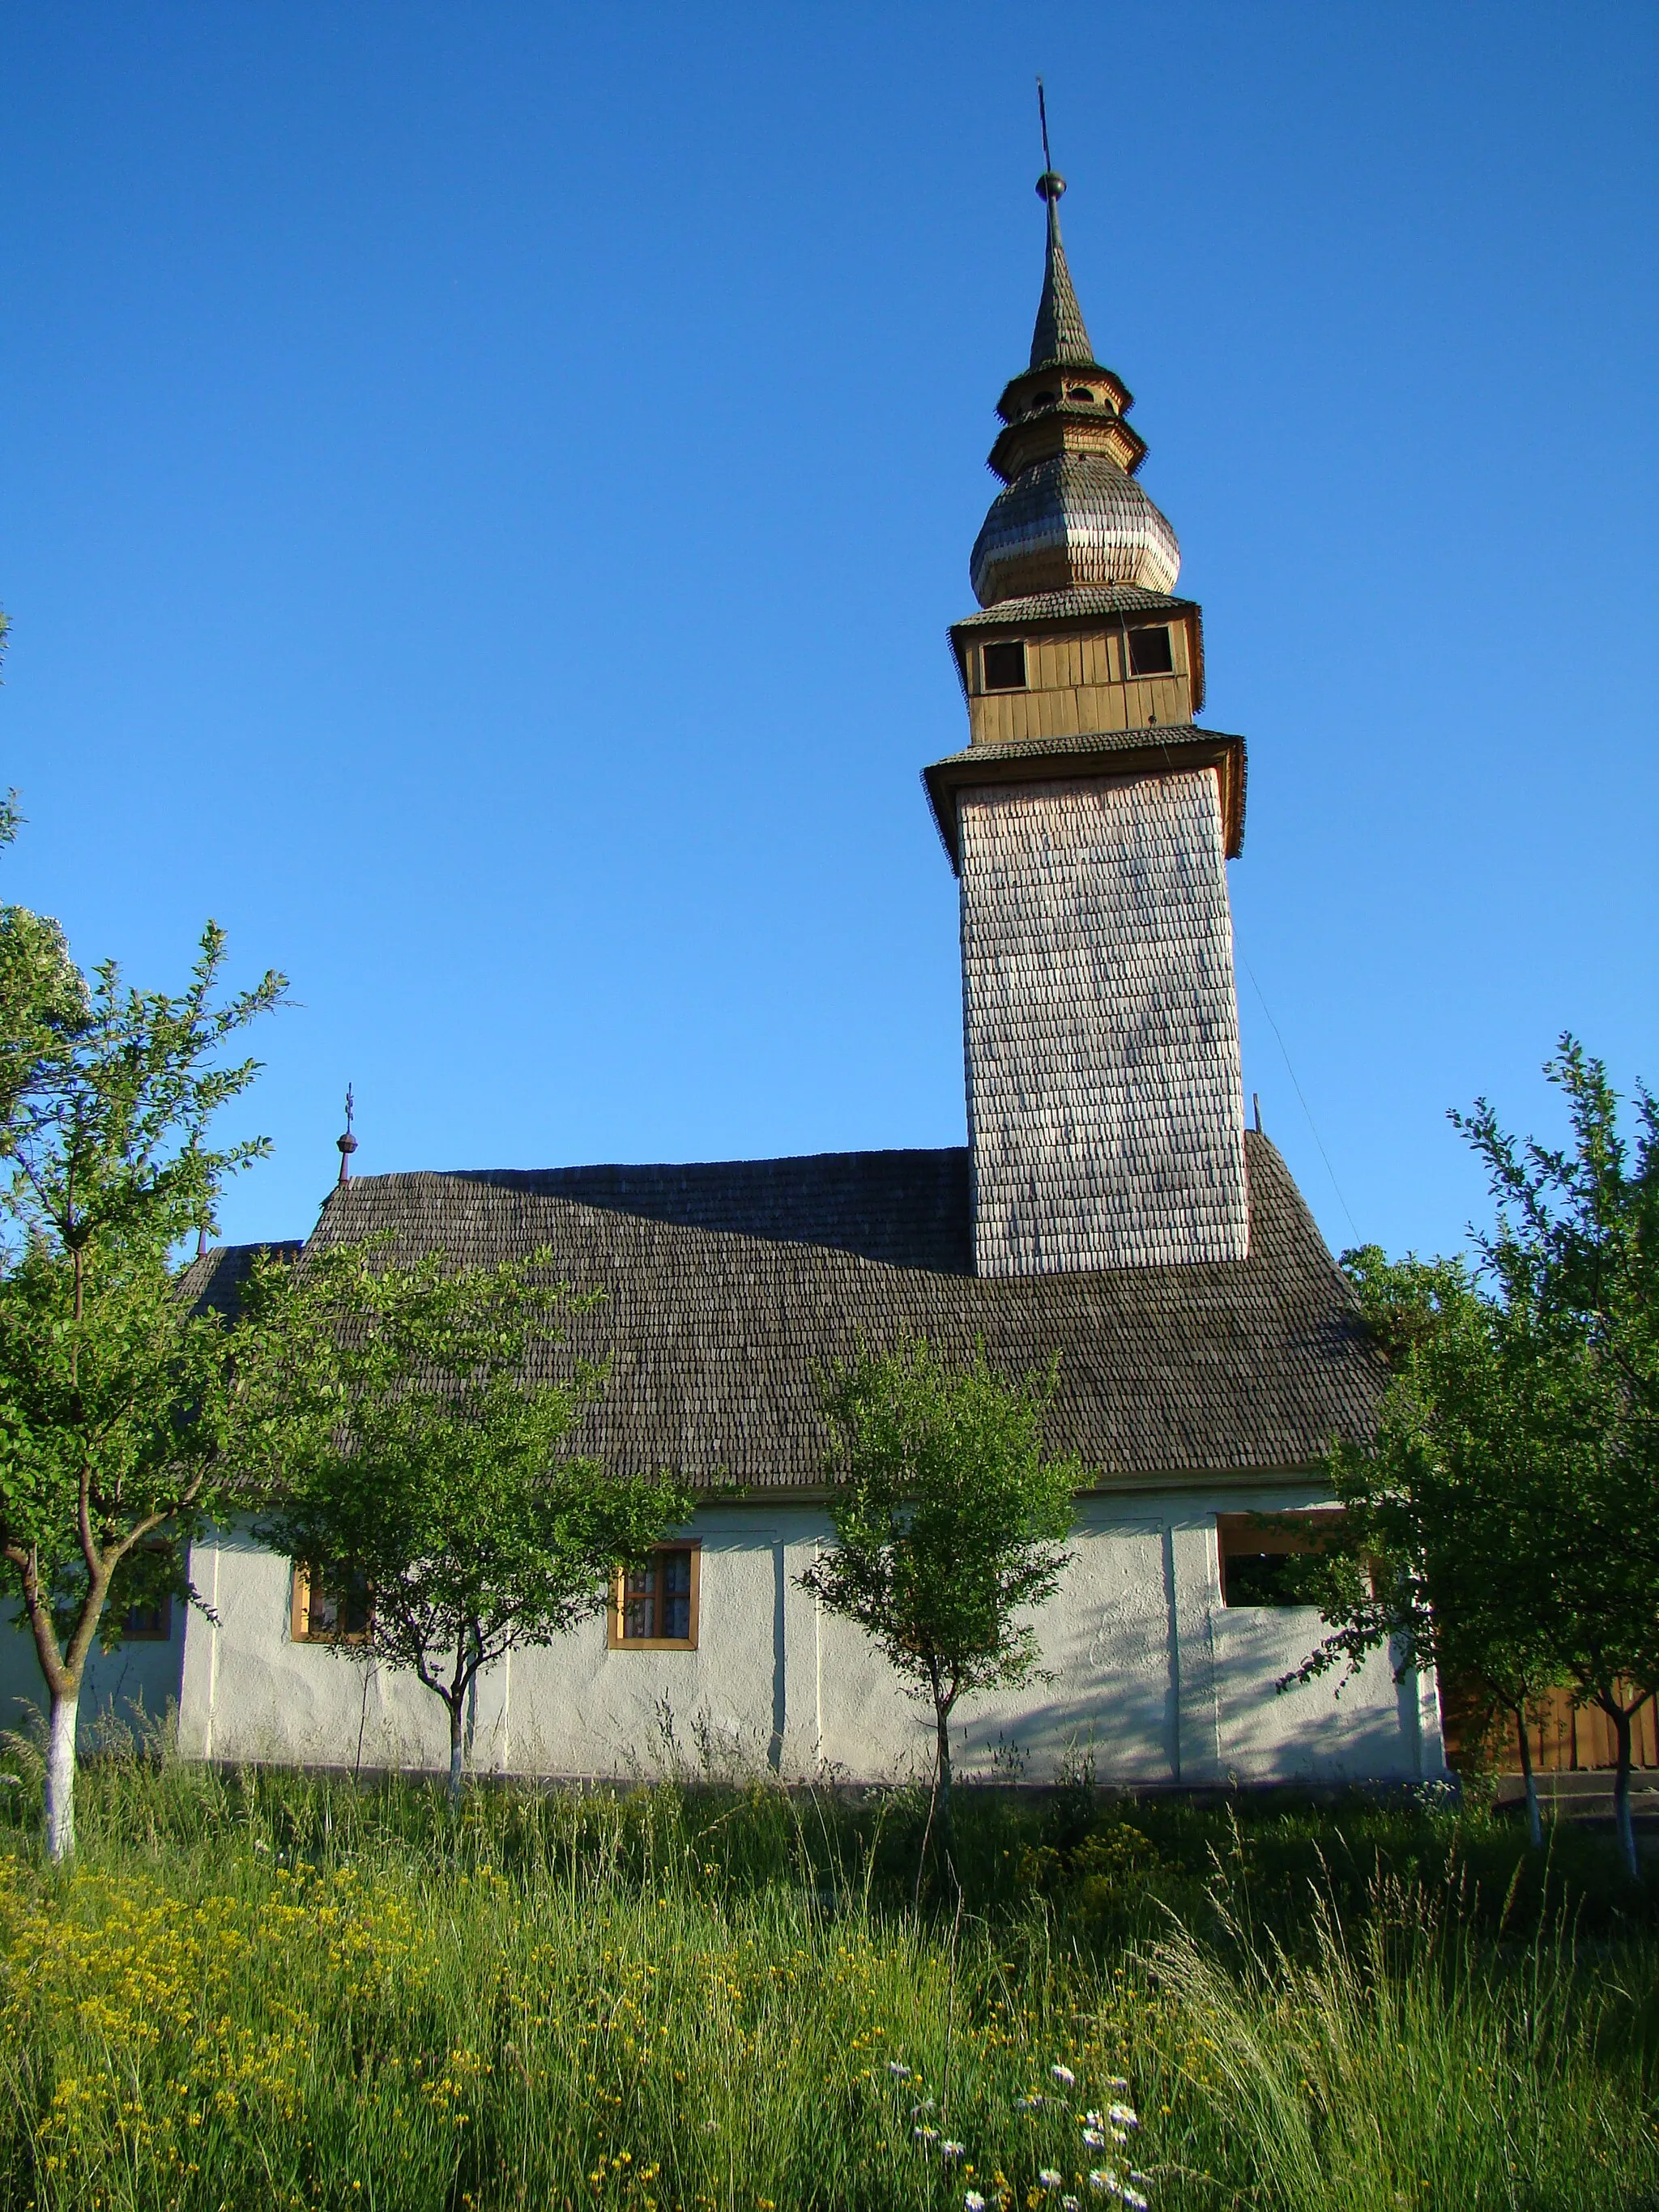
x,y
1151,652
1005,665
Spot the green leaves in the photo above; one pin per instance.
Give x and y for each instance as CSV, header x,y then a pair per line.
x,y
121,1416
107,1127
115,1400
396,1430
948,1515
1506,1510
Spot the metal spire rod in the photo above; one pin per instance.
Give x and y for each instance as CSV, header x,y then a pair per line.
x,y
1042,117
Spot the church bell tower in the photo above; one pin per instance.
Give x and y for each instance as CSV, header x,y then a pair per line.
x,y
1090,821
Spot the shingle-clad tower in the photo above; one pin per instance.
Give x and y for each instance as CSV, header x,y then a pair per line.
x,y
1090,821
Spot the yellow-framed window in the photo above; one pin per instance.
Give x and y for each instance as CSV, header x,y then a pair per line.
x,y
330,1606
655,1604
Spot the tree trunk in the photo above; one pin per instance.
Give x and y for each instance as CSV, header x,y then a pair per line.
x,y
60,1775
947,1833
1621,1819
457,1734
1534,1825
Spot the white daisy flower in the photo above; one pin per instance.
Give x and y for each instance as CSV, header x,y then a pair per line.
x,y
1116,2082
973,2201
1027,2104
1124,2116
899,2073
1103,2179
1070,2204
1065,2076
1094,2138
1047,2176
925,2135
949,2149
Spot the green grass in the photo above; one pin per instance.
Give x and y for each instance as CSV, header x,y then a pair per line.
x,y
271,1990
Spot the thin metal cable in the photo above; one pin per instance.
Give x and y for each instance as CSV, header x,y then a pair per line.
x,y
1306,1109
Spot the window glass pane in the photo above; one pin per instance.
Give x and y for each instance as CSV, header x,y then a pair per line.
x,y
339,1604
1260,1578
676,1594
639,1611
354,1605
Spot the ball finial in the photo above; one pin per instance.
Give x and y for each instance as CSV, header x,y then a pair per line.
x,y
1050,187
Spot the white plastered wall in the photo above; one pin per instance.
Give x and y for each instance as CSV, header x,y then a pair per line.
x,y
1147,1678
135,1685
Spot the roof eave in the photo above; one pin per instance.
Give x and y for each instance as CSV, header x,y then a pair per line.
x,y
1105,755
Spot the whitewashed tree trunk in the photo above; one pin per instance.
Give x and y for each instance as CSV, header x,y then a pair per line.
x,y
1621,1818
60,1776
1534,1825
456,1743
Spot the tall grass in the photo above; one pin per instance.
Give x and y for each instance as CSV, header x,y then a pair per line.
x,y
288,1991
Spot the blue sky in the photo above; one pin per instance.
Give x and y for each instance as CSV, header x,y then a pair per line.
x,y
485,489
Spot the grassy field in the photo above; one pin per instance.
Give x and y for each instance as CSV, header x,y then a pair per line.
x,y
260,1989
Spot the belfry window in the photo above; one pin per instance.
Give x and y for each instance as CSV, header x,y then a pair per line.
x,y
1005,665
1150,653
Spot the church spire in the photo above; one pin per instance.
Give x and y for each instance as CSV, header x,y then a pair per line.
x,y
1059,340
1071,515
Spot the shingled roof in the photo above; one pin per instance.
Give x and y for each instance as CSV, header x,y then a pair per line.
x,y
729,1287
214,1280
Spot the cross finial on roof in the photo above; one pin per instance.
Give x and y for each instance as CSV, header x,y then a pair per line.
x,y
348,1143
1059,337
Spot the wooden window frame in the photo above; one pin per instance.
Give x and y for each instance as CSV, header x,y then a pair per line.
x,y
162,1635
616,1641
299,1620
1147,629
1003,690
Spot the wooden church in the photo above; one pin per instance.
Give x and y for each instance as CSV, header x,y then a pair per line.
x,y
1110,1207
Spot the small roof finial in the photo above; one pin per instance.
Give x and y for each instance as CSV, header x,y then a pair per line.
x,y
348,1143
